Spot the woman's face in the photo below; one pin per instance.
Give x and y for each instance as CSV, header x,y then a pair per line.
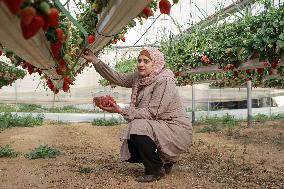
x,y
145,66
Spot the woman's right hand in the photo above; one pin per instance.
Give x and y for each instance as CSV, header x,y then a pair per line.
x,y
89,56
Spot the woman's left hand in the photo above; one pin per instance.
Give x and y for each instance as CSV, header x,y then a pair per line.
x,y
90,56
114,108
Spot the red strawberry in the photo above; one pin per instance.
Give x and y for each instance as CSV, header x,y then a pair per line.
x,y
236,73
68,80
266,64
50,84
60,34
53,17
112,99
274,65
25,65
165,7
59,71
66,87
1,53
123,39
37,24
230,67
39,71
148,12
91,39
177,74
260,70
28,14
55,49
46,24
31,69
115,40
31,29
13,5
25,30
106,101
270,72
62,64
248,72
204,59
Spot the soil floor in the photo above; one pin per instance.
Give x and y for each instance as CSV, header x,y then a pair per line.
x,y
238,158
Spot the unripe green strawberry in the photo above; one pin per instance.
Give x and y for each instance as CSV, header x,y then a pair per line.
x,y
97,8
9,54
132,23
44,7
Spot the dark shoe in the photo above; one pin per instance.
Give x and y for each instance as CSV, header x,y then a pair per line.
x,y
149,178
168,167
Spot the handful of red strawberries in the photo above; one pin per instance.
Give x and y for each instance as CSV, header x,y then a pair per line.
x,y
105,101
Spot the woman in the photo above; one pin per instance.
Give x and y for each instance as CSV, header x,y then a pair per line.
x,y
159,129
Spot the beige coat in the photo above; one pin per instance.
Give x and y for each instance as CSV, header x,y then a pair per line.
x,y
159,114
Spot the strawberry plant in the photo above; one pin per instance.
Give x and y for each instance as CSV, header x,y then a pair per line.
x,y
8,74
66,40
228,45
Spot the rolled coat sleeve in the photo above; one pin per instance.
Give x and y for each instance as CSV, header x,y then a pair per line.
x,y
120,79
162,96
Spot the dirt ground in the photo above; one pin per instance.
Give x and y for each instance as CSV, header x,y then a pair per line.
x,y
245,158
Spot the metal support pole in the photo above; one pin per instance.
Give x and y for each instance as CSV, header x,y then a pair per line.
x,y
53,100
16,96
193,104
249,104
270,102
208,104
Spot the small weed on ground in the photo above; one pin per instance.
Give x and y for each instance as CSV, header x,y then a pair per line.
x,y
9,120
7,151
85,170
108,122
43,151
216,124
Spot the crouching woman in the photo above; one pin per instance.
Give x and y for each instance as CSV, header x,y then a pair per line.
x,y
159,130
